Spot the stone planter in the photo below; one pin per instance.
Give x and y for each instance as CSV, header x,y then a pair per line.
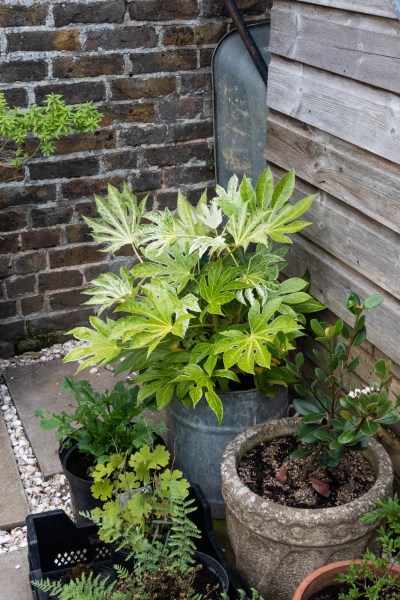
x,y
197,442
326,576
277,546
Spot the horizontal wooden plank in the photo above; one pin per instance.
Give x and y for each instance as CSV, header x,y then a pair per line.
x,y
355,112
382,8
331,280
363,180
363,245
360,47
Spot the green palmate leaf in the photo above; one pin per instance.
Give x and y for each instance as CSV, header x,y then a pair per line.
x,y
160,313
102,490
248,193
101,347
247,349
175,265
120,219
201,381
216,287
279,225
265,189
230,201
109,289
210,215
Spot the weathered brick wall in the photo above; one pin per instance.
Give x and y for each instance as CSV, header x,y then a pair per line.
x,y
146,65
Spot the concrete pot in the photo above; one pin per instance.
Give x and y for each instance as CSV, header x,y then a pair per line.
x,y
326,576
277,546
197,442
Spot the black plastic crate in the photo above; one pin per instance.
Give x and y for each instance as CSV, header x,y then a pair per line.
x,y
56,544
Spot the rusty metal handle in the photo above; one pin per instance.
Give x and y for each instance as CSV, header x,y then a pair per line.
x,y
247,39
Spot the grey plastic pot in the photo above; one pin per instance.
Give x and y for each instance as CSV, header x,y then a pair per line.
x,y
197,442
277,546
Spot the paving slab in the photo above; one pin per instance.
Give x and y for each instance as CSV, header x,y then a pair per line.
x,y
14,576
37,385
13,504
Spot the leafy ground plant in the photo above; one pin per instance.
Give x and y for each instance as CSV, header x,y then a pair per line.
x,y
46,123
101,423
203,306
373,578
335,417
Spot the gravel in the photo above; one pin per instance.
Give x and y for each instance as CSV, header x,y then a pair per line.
x,y
42,495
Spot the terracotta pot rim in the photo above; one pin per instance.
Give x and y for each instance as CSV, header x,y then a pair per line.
x,y
334,568
263,507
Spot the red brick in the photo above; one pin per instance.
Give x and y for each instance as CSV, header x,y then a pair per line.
x,y
8,309
13,15
126,113
93,271
184,35
29,263
63,279
28,194
138,136
126,159
48,217
206,56
16,96
5,265
9,243
175,155
167,60
179,132
77,233
132,37
172,109
63,321
16,286
160,10
196,83
31,304
188,175
78,189
63,300
145,181
72,167
32,41
73,93
9,174
136,88
68,67
11,330
6,348
111,11
75,255
23,70
216,8
98,140
40,238
12,220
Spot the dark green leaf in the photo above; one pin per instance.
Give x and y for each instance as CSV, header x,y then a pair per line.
x,y
302,453
346,437
370,428
301,390
360,337
320,375
299,360
305,407
353,365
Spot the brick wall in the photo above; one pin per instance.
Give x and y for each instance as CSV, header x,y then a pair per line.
x,y
146,65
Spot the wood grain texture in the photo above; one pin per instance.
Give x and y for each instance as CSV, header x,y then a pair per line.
x,y
360,179
365,246
331,281
381,8
361,47
355,112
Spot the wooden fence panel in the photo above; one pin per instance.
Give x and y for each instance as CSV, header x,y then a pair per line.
x,y
331,281
381,8
366,117
363,180
361,47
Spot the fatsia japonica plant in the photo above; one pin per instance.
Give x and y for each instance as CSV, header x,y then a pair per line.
x,y
335,415
203,307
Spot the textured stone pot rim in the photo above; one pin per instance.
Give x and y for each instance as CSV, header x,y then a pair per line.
x,y
240,494
323,573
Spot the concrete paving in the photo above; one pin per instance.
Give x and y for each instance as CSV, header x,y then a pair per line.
x,y
37,385
13,504
14,576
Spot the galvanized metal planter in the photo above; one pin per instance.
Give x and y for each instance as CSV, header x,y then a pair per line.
x,y
197,442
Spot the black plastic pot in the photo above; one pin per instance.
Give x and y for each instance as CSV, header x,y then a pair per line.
x,y
56,544
79,488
